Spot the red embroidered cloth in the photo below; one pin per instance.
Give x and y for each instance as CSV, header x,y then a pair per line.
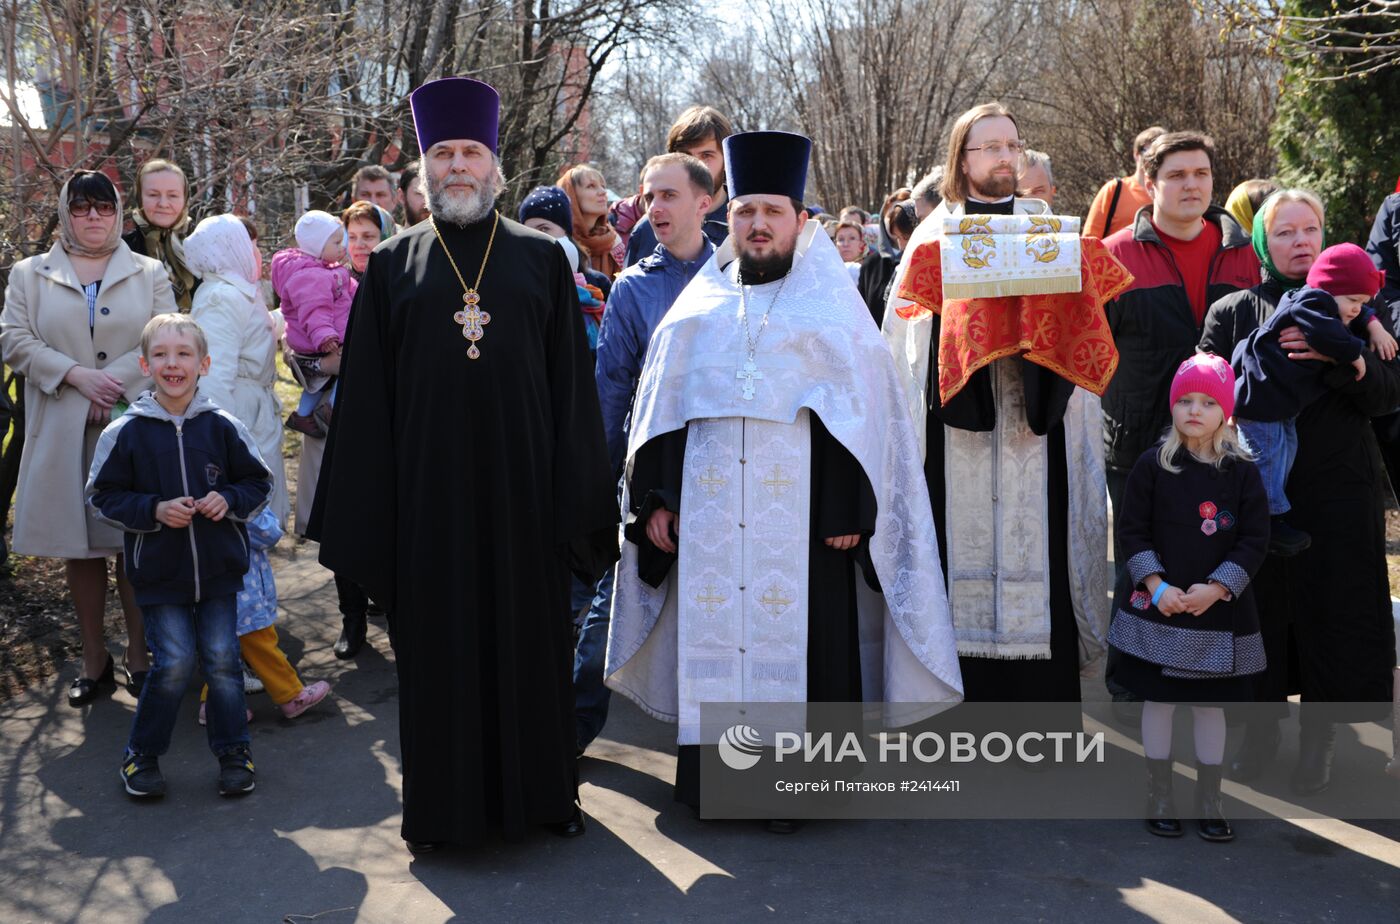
x,y
1066,333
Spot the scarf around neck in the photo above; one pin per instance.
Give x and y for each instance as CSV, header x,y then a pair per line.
x,y
167,245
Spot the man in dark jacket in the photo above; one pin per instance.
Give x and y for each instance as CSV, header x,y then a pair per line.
x,y
1184,253
677,190
1384,248
699,131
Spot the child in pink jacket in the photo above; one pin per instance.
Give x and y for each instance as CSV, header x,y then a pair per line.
x,y
316,291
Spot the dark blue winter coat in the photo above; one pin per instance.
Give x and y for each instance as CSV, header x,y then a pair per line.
x,y
1268,385
145,457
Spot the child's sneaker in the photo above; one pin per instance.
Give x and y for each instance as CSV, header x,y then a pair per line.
x,y
236,776
251,682
308,424
204,719
1284,540
308,697
142,777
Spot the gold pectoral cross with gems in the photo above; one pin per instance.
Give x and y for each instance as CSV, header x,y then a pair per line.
x,y
472,318
748,373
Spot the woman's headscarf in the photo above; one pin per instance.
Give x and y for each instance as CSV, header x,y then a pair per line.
x,y
220,247
68,234
1260,239
167,244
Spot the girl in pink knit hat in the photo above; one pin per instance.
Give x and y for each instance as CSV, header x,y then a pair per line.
x,y
1194,528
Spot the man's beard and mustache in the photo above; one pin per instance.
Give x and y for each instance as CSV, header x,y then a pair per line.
x,y
992,187
455,208
754,270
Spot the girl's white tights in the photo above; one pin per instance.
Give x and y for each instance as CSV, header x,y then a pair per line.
x,y
1209,724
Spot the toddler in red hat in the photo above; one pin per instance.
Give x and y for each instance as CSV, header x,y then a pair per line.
x,y
1194,529
1273,388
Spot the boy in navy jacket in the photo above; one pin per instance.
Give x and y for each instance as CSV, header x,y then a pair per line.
x,y
181,477
1271,389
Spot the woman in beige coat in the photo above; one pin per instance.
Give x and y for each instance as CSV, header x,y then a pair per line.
x,y
72,327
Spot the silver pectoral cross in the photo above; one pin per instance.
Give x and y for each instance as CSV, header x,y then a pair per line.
x,y
749,373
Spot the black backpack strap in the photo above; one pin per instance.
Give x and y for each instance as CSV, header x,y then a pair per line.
x,y
1112,206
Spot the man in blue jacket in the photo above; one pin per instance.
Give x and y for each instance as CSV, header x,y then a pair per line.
x,y
678,190
699,132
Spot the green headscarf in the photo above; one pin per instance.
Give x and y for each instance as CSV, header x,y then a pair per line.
x,y
1260,238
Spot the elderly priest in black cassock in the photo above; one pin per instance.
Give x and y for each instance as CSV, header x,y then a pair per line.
x,y
780,544
467,475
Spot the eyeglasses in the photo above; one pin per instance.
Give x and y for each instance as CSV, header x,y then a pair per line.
x,y
81,208
998,148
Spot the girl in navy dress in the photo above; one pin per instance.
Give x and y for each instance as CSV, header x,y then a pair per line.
x,y
1194,528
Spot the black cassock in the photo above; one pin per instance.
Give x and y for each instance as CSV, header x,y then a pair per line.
x,y
842,504
459,493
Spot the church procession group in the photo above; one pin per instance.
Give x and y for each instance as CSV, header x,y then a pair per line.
x,y
767,475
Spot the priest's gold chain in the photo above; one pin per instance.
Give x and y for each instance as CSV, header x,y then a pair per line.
x,y
472,318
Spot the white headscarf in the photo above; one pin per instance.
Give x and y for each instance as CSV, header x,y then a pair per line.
x,y
220,247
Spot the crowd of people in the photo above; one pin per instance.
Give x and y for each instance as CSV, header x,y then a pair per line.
x,y
888,493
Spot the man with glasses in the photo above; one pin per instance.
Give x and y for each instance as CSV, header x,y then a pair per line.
x,y
1008,457
1117,203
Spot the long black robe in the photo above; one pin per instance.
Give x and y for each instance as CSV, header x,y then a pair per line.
x,y
842,504
985,680
459,493
1325,614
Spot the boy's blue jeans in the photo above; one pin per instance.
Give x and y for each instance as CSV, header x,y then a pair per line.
x,y
177,634
591,697
1274,444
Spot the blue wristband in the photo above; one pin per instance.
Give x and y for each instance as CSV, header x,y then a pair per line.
x,y
1157,594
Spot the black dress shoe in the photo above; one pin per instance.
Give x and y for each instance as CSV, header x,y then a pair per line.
x,y
1210,818
352,636
135,682
84,689
1257,752
573,827
418,848
783,826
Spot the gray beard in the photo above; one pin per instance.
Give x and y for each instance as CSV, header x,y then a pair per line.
x,y
459,210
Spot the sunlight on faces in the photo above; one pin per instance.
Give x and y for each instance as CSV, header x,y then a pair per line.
x,y
850,244
592,194
991,176
1034,184
461,181
175,361
381,192
1197,416
1181,192
1294,237
162,197
675,208
1349,306
546,226
92,229
334,251
765,230
364,237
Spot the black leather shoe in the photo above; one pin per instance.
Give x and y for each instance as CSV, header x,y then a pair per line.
x,y
573,827
1314,771
135,682
783,826
1210,817
1161,817
418,848
84,689
1257,751
352,636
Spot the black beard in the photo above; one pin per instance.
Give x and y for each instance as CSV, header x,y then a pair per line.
x,y
995,188
755,271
